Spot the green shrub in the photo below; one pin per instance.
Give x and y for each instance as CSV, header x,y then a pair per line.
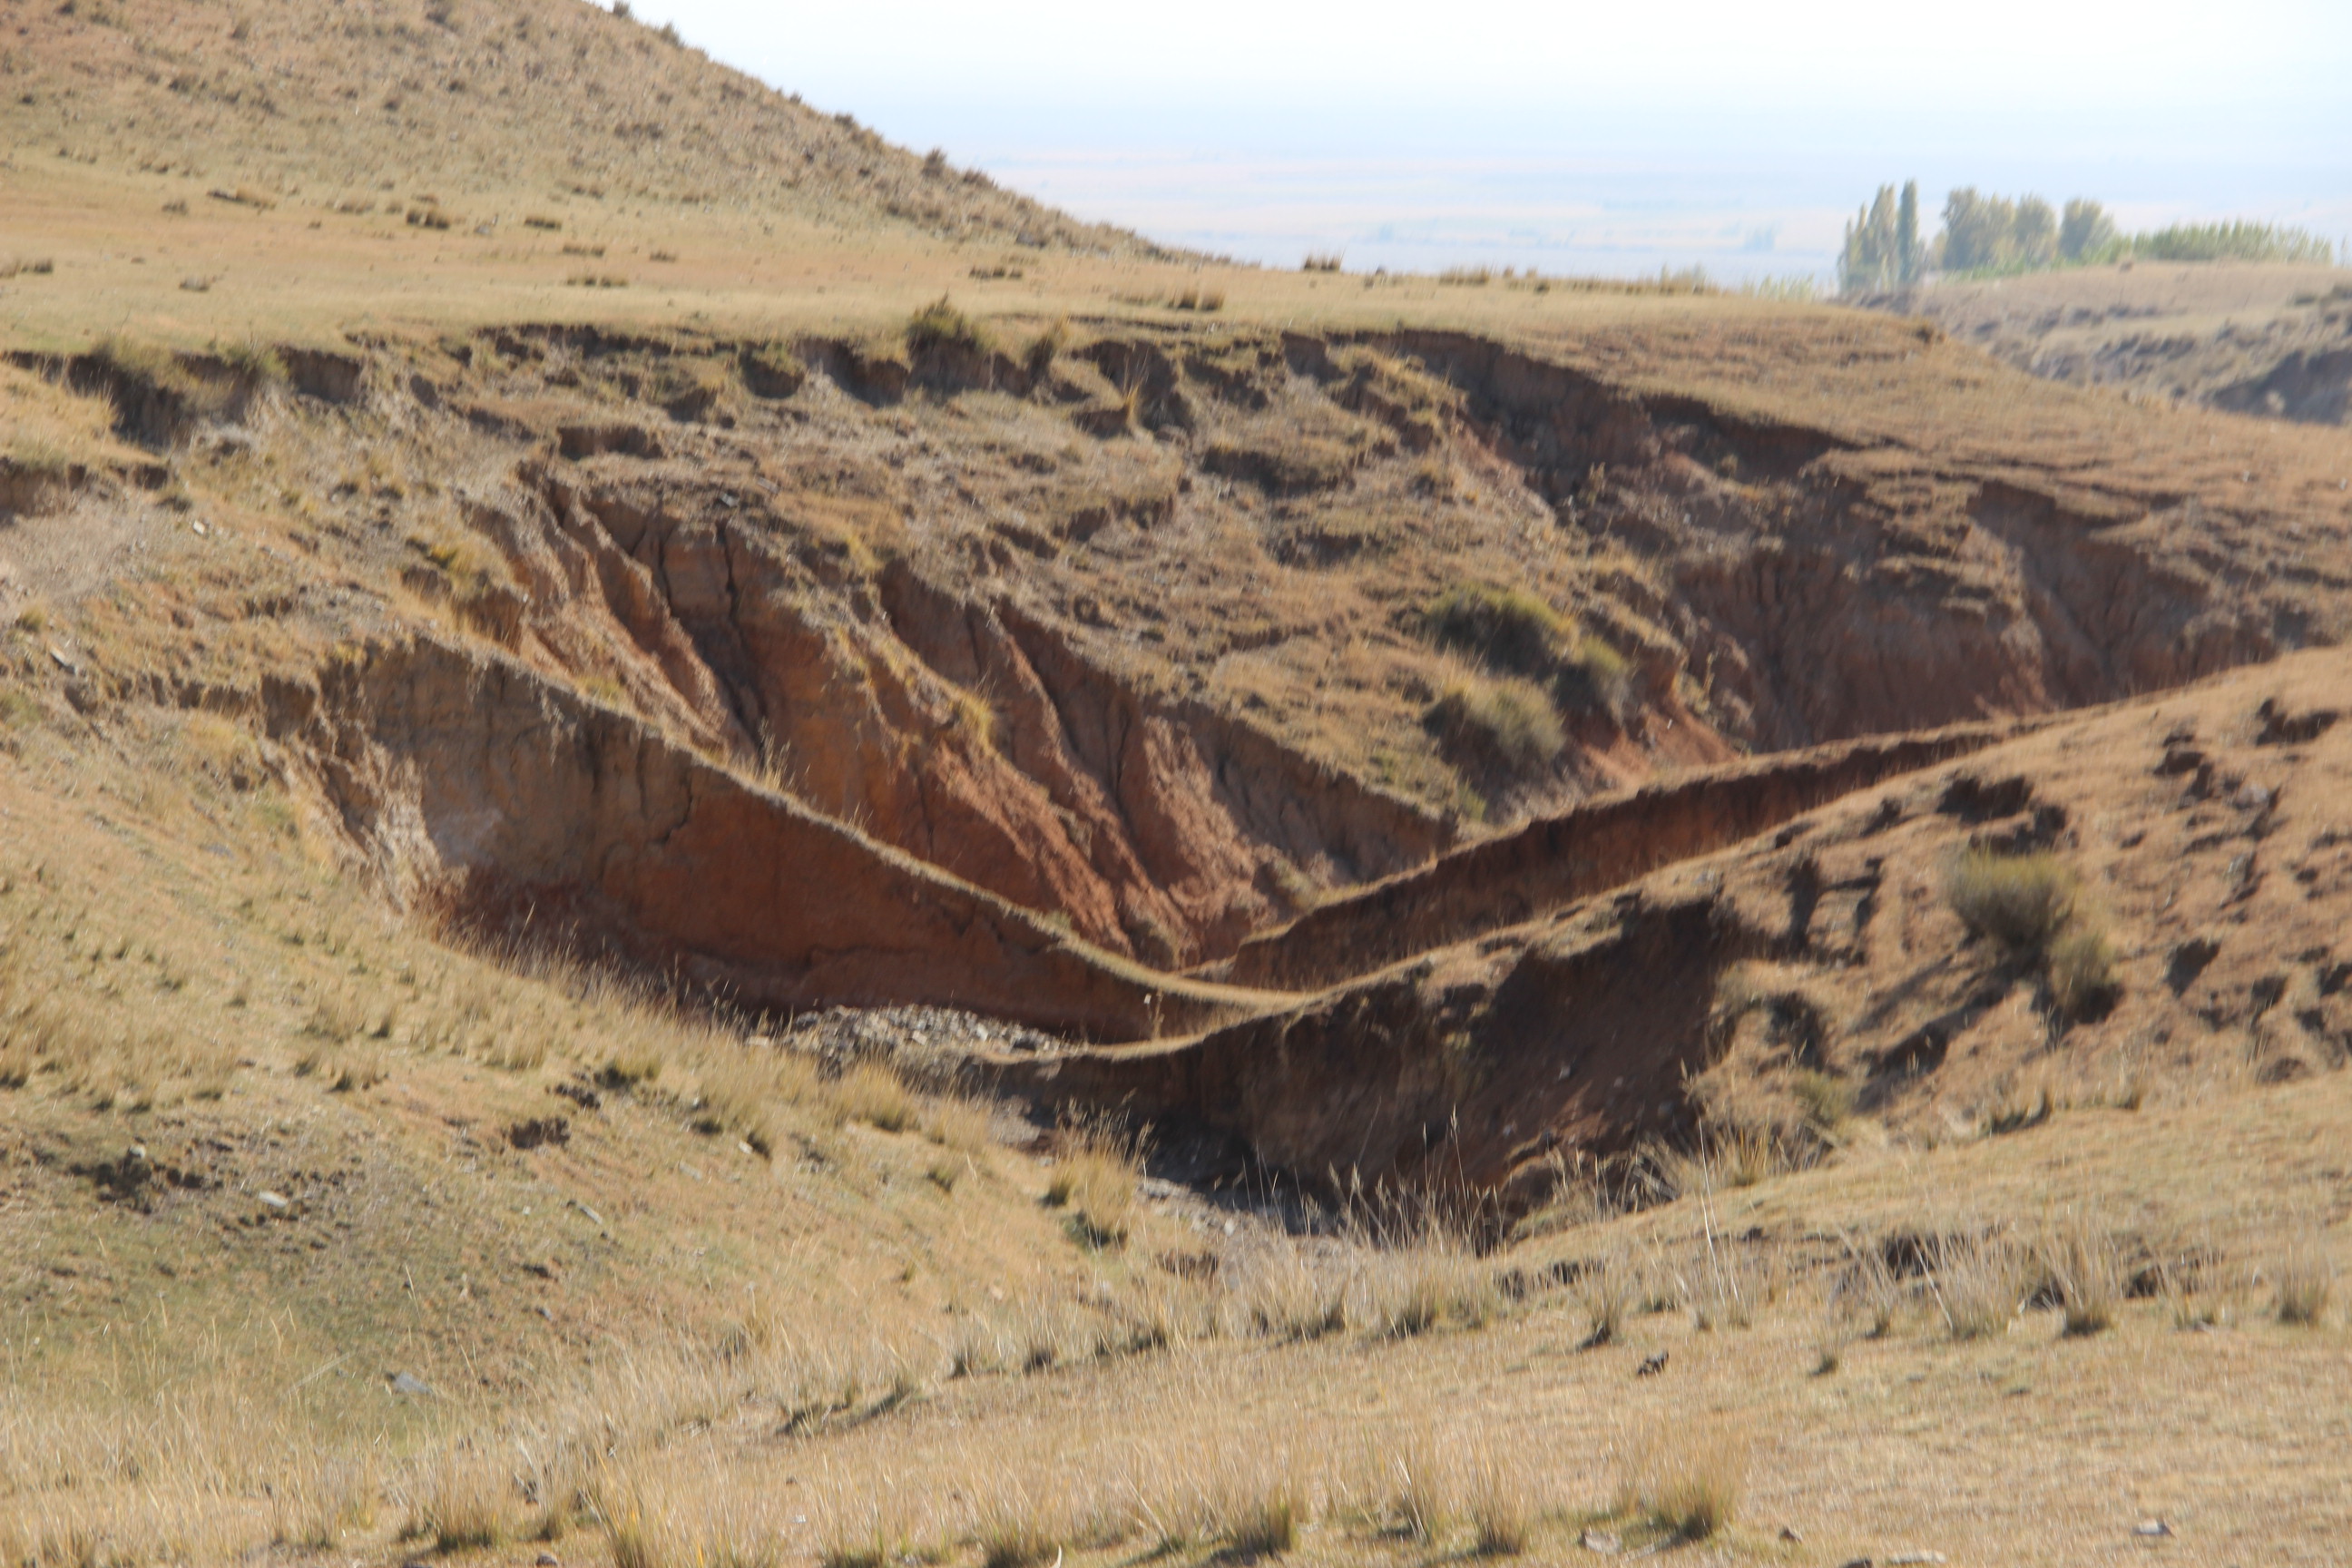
x,y
1508,629
253,363
941,326
1044,348
1828,1098
2082,969
771,370
2021,902
1594,675
1509,725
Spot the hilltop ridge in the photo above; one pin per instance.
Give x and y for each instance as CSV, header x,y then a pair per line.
x,y
486,115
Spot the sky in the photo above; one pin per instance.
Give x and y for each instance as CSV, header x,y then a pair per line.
x,y
1573,137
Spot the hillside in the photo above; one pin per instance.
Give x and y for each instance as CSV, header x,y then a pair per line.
x,y
806,866
2272,341
501,120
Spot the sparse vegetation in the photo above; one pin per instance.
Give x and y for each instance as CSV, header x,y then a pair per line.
x,y
940,328
1507,725
1508,628
371,1176
1687,1483
2302,1279
2032,906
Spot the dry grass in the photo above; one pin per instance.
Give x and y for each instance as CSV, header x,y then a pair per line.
x,y
1685,1483
1977,1281
870,1092
2303,1278
1096,1176
2085,1268
463,1498
2021,902
1507,725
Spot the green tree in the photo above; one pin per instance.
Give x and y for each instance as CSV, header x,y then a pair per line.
x,y
1874,246
2035,236
2086,233
1979,231
1909,253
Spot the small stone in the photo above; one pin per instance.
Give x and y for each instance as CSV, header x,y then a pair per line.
x,y
1788,1533
1856,1562
2151,1527
1603,1543
276,1202
547,1559
410,1383
1652,1364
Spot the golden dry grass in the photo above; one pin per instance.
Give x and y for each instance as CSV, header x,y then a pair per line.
x,y
747,1311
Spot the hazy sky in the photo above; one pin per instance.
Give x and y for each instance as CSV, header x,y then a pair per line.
x,y
1576,136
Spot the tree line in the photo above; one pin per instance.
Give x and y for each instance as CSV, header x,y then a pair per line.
x,y
1985,234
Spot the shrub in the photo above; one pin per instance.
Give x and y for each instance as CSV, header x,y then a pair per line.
x,y
2082,971
1320,261
940,326
1685,1483
2303,1280
2021,902
2085,1271
1977,1285
1507,725
1508,628
1828,1098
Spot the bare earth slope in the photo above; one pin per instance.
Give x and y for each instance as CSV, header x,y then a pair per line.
x,y
638,735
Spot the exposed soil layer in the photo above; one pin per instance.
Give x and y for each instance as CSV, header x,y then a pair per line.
x,y
879,674
527,812
2204,827
1555,861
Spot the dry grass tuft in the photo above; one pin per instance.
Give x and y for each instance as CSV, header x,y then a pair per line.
x,y
1096,1177
1285,1294
463,1501
2021,902
2086,1269
1507,724
1501,1497
1978,1282
2302,1279
872,1093
1685,1483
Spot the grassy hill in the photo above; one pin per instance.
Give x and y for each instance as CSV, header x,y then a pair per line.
x,y
716,847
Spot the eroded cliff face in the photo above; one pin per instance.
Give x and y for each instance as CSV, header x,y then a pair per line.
x,y
1727,991
1030,683
522,811
970,734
